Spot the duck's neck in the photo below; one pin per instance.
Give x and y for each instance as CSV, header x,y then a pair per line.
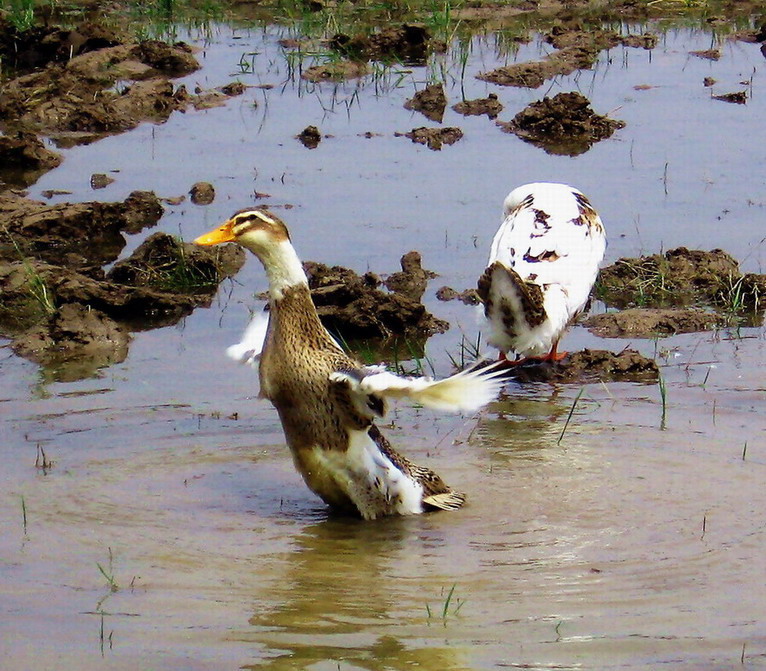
x,y
283,268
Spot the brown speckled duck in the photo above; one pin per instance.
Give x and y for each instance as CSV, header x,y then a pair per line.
x,y
327,402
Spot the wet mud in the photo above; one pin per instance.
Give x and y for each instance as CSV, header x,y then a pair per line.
x,y
355,307
564,124
433,138
430,102
589,366
576,49
62,310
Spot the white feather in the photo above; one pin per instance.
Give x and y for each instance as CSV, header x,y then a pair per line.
x,y
249,349
466,391
543,239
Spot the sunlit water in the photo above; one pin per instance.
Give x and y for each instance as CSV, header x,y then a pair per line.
x,y
616,539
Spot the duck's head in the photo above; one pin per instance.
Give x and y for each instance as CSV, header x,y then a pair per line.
x,y
258,230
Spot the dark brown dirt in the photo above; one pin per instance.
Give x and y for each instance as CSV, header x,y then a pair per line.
x,y
411,281
356,308
408,43
490,106
590,365
336,71
433,138
679,277
24,159
58,304
467,297
565,124
737,97
576,49
76,235
202,193
652,322
430,102
309,137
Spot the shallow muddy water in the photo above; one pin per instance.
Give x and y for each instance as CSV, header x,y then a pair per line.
x,y
621,539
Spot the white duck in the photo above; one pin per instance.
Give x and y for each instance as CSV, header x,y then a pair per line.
x,y
542,265
326,401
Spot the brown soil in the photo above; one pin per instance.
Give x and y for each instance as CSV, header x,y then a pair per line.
x,y
649,322
24,159
576,49
590,365
58,304
202,193
355,307
565,124
468,296
407,43
337,71
431,102
490,106
433,138
310,137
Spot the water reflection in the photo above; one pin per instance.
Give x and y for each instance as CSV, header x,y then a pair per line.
x,y
343,593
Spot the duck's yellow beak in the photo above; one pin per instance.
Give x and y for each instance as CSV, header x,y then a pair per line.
x,y
223,233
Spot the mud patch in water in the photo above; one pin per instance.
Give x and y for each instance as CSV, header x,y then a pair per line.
x,y
565,124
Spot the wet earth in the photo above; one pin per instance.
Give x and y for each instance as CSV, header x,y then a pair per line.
x,y
152,514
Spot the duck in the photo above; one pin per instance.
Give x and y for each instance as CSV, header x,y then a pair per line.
x,y
327,402
542,265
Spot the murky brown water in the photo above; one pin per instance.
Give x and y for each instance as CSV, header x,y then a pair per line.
x,y
622,544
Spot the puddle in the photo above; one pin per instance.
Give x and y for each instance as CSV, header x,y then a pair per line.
x,y
611,538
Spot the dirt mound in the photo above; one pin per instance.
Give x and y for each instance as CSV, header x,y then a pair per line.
x,y
354,306
73,234
430,102
411,281
576,49
60,308
590,365
648,323
490,106
24,158
565,124
679,277
74,342
407,43
433,138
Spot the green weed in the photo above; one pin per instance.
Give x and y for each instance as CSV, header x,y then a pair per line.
x,y
450,607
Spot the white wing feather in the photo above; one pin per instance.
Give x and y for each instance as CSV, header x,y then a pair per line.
x,y
466,391
249,349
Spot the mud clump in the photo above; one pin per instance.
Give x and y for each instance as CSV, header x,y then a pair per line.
x,y
648,323
411,281
576,49
433,138
490,106
590,365
202,193
430,102
467,297
337,71
63,311
355,307
73,234
563,125
679,277
24,159
309,137
74,342
737,97
408,43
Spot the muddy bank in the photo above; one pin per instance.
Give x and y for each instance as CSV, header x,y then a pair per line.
x,y
681,277
589,366
577,48
62,310
649,322
355,307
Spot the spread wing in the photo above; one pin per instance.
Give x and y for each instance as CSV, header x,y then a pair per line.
x,y
467,391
